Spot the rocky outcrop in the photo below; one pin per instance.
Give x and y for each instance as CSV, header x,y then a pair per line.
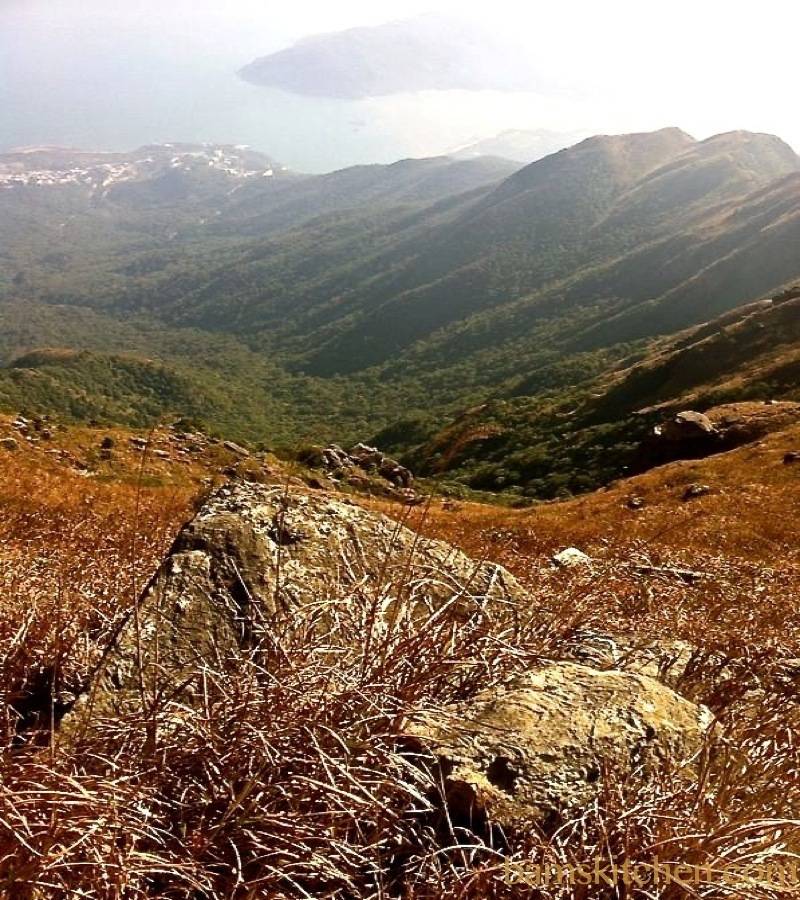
x,y
258,561
792,293
686,426
535,750
370,460
251,558
687,435
694,435
25,432
363,467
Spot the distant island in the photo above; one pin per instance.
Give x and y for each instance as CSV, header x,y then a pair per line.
x,y
424,53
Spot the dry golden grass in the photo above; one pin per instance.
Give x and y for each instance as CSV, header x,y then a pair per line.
x,y
752,513
74,553
284,783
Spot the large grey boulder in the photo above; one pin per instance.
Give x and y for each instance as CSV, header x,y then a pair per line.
x,y
251,559
695,435
530,752
686,426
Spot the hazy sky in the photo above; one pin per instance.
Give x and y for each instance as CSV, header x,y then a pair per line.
x,y
112,73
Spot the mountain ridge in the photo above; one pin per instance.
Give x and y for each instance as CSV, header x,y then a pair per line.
x,y
410,292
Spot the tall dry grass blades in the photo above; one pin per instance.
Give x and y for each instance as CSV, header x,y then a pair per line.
x,y
281,774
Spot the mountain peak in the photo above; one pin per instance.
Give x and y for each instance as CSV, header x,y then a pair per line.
x,y
759,158
767,147
665,142
608,162
670,133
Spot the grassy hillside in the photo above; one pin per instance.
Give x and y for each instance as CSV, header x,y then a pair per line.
x,y
566,440
390,299
712,581
157,375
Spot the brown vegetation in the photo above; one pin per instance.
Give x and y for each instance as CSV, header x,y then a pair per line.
x,y
286,785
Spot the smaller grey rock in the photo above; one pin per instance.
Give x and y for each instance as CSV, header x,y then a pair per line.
x,y
9,443
536,749
571,558
696,490
235,448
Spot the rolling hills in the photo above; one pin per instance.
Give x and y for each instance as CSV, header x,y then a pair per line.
x,y
389,299
568,441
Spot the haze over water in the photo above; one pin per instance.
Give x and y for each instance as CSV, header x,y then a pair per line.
x,y
115,76
69,77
